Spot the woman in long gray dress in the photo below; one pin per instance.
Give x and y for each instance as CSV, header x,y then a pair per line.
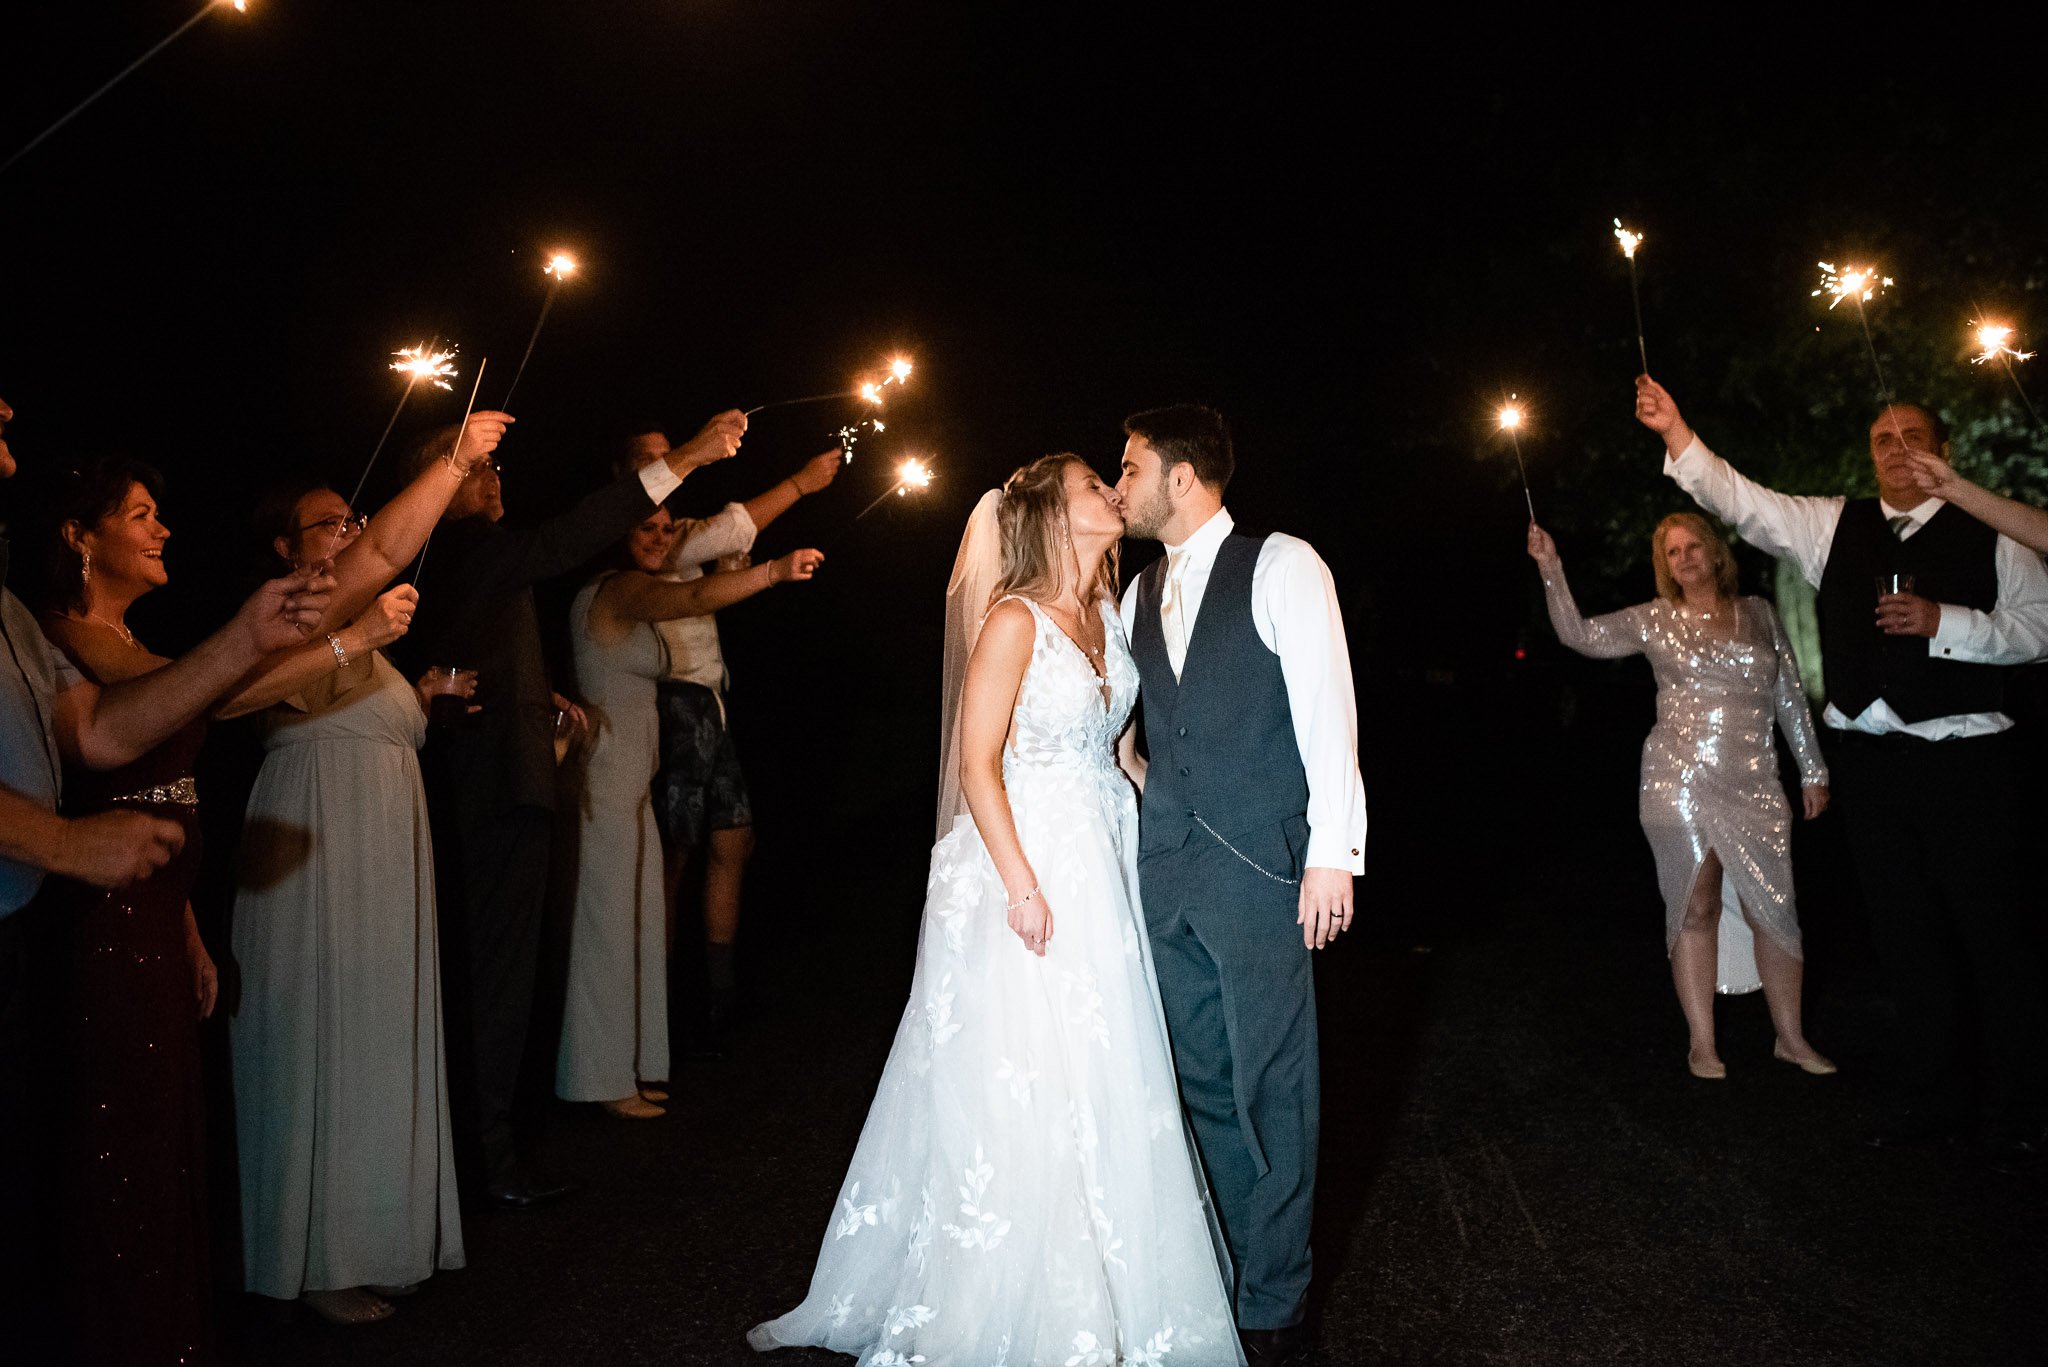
x,y
1712,805
614,1045
348,1177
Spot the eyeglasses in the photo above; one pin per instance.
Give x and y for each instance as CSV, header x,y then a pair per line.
x,y
354,522
487,463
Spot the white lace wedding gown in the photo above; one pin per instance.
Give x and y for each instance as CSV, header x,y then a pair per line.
x,y
1024,1191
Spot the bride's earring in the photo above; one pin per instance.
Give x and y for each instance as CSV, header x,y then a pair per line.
x,y
85,574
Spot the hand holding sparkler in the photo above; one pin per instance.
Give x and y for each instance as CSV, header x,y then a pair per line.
x,y
481,433
1658,411
719,439
795,567
1542,549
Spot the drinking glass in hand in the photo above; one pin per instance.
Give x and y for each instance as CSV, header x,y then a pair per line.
x,y
450,687
1894,583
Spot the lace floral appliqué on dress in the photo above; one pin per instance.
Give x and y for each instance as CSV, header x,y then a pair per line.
x,y
1024,1190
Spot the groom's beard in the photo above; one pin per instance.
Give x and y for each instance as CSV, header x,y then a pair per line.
x,y
1143,517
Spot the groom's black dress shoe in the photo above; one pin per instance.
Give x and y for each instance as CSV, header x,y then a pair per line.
x,y
522,1190
1275,1347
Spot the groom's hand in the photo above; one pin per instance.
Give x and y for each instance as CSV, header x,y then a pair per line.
x,y
1325,905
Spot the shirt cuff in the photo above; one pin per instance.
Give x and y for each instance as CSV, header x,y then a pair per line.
x,y
658,480
1332,852
1694,451
1949,635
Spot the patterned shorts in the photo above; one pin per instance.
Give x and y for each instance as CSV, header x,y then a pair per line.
x,y
699,787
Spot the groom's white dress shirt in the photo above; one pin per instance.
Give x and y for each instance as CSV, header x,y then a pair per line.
x,y
1802,530
1294,608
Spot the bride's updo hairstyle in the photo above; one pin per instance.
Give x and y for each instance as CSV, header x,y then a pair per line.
x,y
1037,545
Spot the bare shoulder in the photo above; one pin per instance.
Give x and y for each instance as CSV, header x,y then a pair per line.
x,y
1009,623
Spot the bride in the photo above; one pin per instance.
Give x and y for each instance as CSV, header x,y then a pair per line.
x,y
1024,1191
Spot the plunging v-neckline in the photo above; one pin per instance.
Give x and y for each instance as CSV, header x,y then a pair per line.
x,y
1101,675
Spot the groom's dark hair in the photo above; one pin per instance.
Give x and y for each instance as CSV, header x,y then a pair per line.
x,y
1187,434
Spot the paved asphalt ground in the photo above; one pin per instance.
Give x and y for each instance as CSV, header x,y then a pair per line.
x,y
1516,1166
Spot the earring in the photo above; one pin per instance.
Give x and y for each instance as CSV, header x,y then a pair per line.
x,y
85,575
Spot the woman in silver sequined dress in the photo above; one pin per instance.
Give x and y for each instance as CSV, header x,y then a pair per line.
x,y
1712,805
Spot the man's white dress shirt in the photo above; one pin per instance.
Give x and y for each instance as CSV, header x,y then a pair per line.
x,y
1802,530
694,653
1294,608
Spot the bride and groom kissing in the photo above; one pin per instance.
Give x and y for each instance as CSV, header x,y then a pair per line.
x,y
1094,1140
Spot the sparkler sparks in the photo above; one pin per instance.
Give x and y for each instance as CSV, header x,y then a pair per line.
x,y
560,265
1861,283
911,474
1995,341
421,362
1629,240
867,390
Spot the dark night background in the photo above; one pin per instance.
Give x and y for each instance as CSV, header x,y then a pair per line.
x,y
1352,243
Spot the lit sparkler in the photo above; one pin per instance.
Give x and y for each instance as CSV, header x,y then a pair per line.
x,y
1511,418
240,6
869,390
1995,343
560,267
850,434
424,361
1629,242
1859,284
911,474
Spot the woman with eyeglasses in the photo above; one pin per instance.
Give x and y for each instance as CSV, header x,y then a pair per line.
x,y
348,1177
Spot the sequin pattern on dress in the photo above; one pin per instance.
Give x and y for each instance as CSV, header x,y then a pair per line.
x,y
1710,769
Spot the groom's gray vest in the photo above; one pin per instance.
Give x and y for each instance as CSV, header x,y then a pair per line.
x,y
1221,737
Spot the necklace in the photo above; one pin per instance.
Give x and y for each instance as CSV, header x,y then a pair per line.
x,y
1077,636
116,627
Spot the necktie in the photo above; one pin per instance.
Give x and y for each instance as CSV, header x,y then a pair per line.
x,y
1901,524
1170,617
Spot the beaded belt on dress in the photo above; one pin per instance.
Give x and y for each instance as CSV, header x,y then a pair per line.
x,y
184,792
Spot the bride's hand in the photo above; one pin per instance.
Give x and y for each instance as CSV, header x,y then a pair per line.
x,y
1031,918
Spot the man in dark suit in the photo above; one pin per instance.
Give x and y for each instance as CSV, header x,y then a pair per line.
x,y
492,775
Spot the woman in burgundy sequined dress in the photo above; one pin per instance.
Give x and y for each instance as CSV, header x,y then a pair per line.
x,y
136,979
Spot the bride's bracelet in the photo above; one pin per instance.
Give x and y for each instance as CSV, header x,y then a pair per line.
x,y
1021,901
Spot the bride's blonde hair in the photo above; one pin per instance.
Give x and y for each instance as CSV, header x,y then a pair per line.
x,y
1037,542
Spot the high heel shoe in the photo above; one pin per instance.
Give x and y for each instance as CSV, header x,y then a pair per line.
x,y
633,1108
1813,1062
1711,1069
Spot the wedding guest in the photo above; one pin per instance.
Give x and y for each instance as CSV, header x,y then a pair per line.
x,y
1711,804
109,849
1924,763
136,975
615,1017
701,802
348,1174
495,772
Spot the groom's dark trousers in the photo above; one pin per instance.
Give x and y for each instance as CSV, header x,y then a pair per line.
x,y
1234,975
1240,1006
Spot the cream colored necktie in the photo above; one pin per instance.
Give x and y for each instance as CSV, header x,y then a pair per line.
x,y
1170,612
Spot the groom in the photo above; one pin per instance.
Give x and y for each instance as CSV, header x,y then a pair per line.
x,y
1251,831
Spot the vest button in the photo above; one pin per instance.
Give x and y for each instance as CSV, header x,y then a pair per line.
x,y
1183,771
1182,732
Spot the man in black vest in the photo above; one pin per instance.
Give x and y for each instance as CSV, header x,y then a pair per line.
x,y
1250,833
1924,767
492,776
